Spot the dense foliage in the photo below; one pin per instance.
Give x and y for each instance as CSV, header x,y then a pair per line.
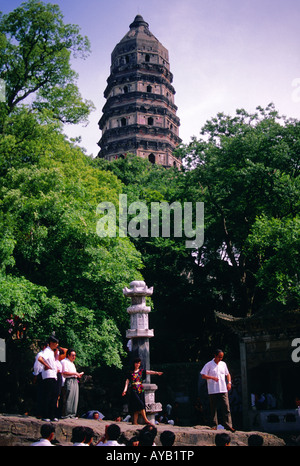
x,y
35,51
245,169
56,273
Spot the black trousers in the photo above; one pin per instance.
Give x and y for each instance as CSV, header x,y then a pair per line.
x,y
49,391
39,395
220,400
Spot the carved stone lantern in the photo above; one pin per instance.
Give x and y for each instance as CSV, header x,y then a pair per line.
x,y
139,334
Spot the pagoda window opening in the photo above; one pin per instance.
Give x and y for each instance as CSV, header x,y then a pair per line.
x,y
149,88
147,58
151,158
126,90
150,121
123,122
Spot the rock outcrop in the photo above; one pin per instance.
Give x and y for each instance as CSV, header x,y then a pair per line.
x,y
17,430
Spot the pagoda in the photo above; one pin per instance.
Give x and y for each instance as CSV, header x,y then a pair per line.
x,y
139,116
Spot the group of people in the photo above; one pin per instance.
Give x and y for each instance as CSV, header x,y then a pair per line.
x,y
56,369
82,436
224,439
56,375
218,379
57,381
145,437
58,390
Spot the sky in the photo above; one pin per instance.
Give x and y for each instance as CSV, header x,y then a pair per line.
x,y
224,55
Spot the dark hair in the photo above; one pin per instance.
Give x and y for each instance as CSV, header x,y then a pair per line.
x,y
52,339
150,428
47,430
113,432
135,361
221,440
78,434
167,438
217,351
69,351
89,434
255,440
132,440
146,439
147,435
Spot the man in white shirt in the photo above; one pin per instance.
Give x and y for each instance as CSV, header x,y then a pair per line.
x,y
49,377
47,434
110,438
37,372
215,372
71,377
79,436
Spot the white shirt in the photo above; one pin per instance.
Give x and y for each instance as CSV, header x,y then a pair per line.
x,y
68,366
219,370
38,366
48,356
110,443
43,442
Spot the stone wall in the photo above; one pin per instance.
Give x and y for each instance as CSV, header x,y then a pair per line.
x,y
16,430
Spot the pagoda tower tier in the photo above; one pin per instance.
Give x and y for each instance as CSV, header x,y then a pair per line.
x,y
139,116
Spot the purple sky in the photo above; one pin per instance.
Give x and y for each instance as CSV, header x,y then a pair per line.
x,y
224,54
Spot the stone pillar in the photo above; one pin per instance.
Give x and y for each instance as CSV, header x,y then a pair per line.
x,y
139,334
244,381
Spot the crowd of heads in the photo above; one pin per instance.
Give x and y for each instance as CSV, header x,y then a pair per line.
x,y
145,437
224,439
84,436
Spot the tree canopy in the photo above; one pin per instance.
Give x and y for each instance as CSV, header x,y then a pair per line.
x,y
245,168
56,273
35,51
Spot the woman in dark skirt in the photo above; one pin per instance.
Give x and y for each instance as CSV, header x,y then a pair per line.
x,y
137,395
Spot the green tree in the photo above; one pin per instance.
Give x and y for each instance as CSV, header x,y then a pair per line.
x,y
276,243
35,51
170,267
56,273
246,166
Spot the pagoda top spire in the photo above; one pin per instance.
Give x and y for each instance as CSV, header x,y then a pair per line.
x,y
138,21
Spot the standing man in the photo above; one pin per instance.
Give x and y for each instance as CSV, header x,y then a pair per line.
x,y
37,372
49,376
71,384
215,372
